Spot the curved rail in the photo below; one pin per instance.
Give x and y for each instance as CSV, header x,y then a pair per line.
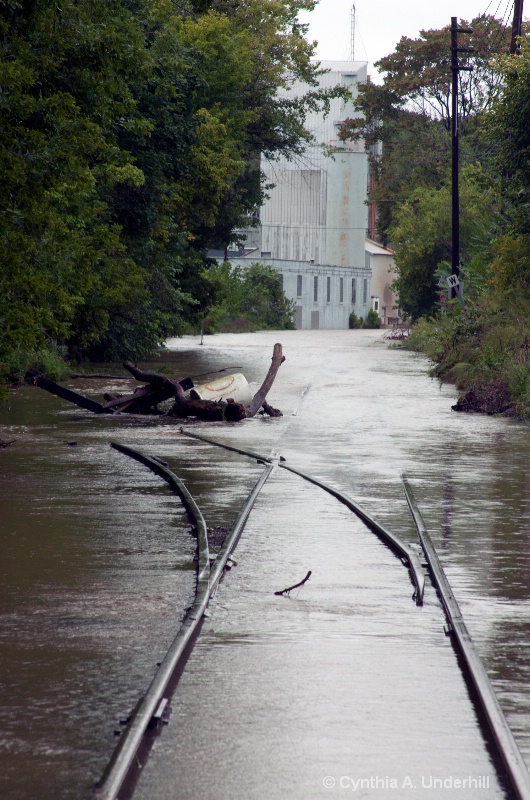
x,y
399,546
123,757
513,760
248,453
192,509
412,561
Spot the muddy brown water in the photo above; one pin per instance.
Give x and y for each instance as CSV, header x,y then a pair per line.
x,y
343,688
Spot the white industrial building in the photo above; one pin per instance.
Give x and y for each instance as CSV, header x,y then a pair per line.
x,y
313,225
383,299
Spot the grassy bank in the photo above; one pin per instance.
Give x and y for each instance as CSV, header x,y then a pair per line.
x,y
485,350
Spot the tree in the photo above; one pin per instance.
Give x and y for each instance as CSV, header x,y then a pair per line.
x,y
65,74
405,121
130,141
509,127
422,237
246,298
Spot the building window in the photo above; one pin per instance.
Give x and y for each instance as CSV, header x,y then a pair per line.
x,y
353,291
299,286
328,290
315,288
365,291
341,290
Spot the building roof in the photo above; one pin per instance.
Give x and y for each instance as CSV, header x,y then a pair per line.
x,y
377,249
342,66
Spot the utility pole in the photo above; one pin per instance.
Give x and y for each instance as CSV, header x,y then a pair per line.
x,y
453,280
516,25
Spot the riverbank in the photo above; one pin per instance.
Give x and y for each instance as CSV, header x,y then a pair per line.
x,y
485,352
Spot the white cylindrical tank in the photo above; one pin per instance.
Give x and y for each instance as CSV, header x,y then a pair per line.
x,y
234,386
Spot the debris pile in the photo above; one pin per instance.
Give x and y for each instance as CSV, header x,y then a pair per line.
x,y
159,389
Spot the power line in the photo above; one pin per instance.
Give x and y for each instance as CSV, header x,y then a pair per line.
x,y
487,7
498,39
494,15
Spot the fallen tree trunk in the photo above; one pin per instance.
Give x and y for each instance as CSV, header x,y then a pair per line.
x,y
160,388
229,410
211,410
67,394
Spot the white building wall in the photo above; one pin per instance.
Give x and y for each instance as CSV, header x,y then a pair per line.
x,y
349,290
314,222
383,271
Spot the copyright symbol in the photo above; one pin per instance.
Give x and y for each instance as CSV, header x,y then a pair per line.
x,y
329,782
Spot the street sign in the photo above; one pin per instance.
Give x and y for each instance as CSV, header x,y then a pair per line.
x,y
453,282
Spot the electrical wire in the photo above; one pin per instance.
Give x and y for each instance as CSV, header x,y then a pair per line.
x,y
505,19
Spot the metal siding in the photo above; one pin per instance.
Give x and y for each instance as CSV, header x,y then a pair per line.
x,y
330,315
314,221
316,212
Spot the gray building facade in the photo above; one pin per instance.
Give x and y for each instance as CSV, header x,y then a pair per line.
x,y
313,224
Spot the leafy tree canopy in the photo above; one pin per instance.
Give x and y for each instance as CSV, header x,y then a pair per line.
x,y
129,142
422,237
405,121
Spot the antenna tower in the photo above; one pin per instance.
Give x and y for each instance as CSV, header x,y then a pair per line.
x,y
352,42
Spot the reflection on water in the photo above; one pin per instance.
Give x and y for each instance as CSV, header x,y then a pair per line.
x,y
347,677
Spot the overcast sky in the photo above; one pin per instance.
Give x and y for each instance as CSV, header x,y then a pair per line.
x,y
380,24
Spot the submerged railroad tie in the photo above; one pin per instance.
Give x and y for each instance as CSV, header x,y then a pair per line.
x,y
506,744
123,760
405,553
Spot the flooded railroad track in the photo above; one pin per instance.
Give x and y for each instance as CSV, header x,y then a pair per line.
x,y
121,775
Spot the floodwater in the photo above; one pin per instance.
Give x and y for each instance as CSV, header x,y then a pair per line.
x,y
345,687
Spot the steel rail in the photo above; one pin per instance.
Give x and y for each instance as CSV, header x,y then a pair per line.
x,y
192,509
230,543
405,552
131,738
507,747
411,559
124,755
248,453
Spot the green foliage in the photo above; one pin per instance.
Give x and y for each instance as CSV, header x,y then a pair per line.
x,y
422,238
130,139
50,360
484,349
372,319
511,265
354,321
405,121
509,128
248,298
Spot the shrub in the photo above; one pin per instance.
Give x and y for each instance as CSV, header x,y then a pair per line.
x,y
355,321
484,350
372,319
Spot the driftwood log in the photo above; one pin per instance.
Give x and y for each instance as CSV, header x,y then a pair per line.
x,y
160,388
283,592
257,401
